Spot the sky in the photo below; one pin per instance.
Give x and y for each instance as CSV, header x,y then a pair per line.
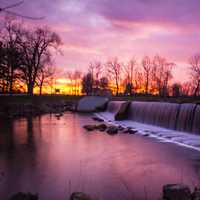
x,y
102,29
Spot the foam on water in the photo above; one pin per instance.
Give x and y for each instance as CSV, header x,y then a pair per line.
x,y
185,139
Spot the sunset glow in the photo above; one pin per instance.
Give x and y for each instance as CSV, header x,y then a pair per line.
x,y
99,30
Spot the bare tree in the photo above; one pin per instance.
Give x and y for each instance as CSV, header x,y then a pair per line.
x,y
35,46
77,78
45,75
147,67
95,69
162,74
195,73
70,78
187,88
129,70
87,84
13,56
176,90
138,80
114,69
103,82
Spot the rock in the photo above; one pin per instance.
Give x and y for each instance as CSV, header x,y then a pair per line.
x,y
112,130
122,112
80,196
176,192
91,103
120,128
132,131
196,194
98,119
90,127
24,196
101,127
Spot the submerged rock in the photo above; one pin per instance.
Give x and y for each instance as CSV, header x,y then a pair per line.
x,y
130,131
112,130
120,128
90,127
101,127
176,192
97,119
24,196
80,196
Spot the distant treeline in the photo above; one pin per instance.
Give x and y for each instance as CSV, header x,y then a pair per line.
x,y
26,63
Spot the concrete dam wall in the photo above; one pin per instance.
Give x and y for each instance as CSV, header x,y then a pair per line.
x,y
180,117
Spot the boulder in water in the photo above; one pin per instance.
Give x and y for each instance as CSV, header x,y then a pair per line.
x,y
24,196
120,128
176,192
112,130
90,127
101,127
91,103
80,196
130,131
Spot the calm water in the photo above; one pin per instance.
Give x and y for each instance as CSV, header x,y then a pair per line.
x,y
55,157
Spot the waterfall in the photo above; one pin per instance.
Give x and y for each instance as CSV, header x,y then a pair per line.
x,y
154,113
181,117
196,121
185,117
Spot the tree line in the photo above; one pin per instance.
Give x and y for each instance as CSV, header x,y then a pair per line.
x,y
25,56
150,75
26,60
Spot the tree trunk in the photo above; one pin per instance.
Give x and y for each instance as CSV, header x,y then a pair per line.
x,y
11,81
41,85
117,92
197,89
40,90
30,88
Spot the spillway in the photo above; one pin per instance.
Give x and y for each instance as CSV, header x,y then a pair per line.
x,y
181,117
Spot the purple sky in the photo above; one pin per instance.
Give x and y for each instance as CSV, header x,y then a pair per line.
x,y
102,29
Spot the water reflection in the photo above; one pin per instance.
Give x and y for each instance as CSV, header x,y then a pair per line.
x,y
53,157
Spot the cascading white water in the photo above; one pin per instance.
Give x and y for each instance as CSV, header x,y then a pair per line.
x,y
196,121
181,117
155,113
185,117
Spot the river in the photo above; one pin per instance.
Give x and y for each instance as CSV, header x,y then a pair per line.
x,y
54,157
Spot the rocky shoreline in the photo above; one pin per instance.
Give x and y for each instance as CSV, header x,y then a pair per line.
x,y
15,110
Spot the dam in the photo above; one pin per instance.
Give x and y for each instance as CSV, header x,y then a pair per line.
x,y
179,123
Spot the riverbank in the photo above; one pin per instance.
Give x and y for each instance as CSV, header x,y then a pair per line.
x,y
12,106
24,105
